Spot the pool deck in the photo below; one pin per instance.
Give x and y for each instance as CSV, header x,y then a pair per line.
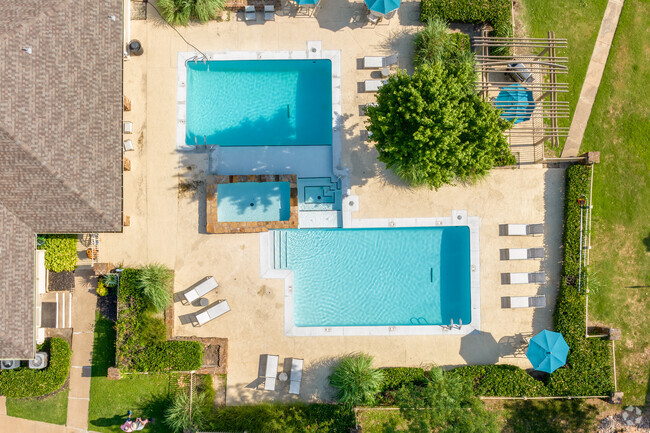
x,y
168,227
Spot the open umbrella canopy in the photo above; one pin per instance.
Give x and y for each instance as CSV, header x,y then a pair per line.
x,y
383,6
306,2
516,102
547,351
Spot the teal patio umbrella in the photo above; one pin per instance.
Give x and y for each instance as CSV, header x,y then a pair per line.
x,y
306,2
547,351
516,102
382,7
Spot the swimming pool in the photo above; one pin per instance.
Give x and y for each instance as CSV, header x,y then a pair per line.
x,y
259,102
253,201
413,276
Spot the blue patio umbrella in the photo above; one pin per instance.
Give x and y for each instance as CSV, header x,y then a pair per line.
x,y
306,2
547,351
516,102
383,7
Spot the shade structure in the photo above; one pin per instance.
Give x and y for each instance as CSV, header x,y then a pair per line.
x,y
306,2
383,7
516,102
547,351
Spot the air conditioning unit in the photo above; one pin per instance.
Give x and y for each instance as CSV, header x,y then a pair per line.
x,y
39,362
9,365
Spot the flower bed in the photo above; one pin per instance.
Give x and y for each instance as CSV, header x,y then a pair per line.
x,y
494,12
140,344
25,382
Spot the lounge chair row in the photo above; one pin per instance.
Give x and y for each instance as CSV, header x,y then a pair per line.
x,y
538,301
521,253
377,62
521,229
523,278
250,14
271,374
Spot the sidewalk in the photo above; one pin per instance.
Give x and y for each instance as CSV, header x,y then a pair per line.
x,y
593,77
19,425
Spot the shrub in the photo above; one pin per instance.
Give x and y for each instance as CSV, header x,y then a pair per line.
x,y
110,280
101,288
179,12
25,382
395,378
501,381
180,416
432,128
436,44
357,382
156,282
140,344
493,12
60,252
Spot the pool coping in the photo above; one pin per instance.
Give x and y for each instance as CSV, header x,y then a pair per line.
x,y
457,218
313,51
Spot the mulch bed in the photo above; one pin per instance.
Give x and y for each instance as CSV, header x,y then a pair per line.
x,y
107,305
60,281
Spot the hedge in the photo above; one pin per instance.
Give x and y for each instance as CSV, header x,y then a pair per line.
x,y
395,378
494,12
25,382
501,381
60,252
134,352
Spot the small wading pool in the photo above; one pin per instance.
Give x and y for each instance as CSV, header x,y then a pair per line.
x,y
378,277
253,201
259,103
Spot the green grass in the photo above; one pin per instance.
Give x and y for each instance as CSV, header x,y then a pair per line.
x,y
110,400
374,420
546,416
53,409
619,128
578,21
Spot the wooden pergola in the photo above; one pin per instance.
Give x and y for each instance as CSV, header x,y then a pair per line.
x,y
540,58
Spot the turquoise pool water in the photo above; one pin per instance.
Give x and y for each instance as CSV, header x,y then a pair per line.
x,y
373,277
259,102
253,201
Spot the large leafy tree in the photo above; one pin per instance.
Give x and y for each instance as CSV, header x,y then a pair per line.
x,y
356,380
445,404
432,128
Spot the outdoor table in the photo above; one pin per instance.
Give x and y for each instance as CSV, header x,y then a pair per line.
x,y
282,377
385,72
204,302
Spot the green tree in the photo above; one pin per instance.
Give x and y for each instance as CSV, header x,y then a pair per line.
x,y
156,282
432,128
356,380
445,404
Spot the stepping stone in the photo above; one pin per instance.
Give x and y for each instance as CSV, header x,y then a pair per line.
x,y
629,422
629,408
637,410
625,415
638,420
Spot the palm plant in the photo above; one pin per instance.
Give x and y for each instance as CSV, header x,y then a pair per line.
x,y
156,282
181,416
206,10
357,382
176,12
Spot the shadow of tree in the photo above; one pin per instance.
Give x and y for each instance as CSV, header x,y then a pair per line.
x,y
550,416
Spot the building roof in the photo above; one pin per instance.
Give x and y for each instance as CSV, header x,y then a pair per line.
x,y
60,140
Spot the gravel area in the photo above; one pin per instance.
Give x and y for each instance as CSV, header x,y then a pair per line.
x,y
631,420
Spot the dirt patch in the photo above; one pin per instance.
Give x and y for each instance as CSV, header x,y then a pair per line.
x,y
60,281
107,305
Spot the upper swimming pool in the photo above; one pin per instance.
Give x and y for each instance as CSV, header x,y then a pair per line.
x,y
259,103
253,201
374,277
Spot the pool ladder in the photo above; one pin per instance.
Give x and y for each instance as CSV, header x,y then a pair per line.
x,y
452,326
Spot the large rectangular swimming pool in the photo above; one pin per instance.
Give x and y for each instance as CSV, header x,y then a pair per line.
x,y
376,277
259,102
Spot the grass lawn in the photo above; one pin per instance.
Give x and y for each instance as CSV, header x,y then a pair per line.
x,y
374,420
619,127
578,21
53,409
110,400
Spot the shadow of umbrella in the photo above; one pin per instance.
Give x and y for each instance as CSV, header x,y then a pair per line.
x,y
479,348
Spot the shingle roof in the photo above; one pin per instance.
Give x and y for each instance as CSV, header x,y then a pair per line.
x,y
60,140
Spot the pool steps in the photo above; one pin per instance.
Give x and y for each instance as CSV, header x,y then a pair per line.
x,y
279,249
319,194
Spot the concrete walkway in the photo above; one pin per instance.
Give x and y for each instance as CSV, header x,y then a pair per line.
x,y
19,425
593,77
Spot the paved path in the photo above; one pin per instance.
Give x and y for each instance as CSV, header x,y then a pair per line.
x,y
19,425
592,79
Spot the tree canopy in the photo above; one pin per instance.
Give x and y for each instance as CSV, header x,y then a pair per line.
x,y
432,128
445,404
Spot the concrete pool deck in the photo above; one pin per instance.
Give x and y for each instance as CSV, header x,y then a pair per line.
x,y
170,228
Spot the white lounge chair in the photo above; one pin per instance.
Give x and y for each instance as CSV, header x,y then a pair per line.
x,y
128,127
522,253
378,62
373,85
521,229
296,376
249,13
128,145
523,301
374,19
269,13
271,372
523,278
208,285
212,313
